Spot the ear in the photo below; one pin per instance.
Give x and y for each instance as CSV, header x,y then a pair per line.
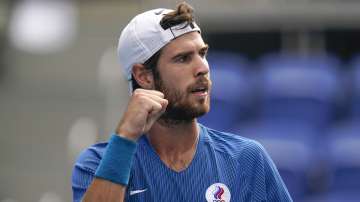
x,y
143,76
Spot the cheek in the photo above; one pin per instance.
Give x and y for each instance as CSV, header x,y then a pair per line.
x,y
176,81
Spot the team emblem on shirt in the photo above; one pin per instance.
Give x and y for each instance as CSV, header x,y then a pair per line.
x,y
218,192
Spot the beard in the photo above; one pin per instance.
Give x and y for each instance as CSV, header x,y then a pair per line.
x,y
180,108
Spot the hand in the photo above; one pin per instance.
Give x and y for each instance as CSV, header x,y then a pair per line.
x,y
144,108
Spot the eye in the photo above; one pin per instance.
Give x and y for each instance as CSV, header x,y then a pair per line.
x,y
203,52
183,58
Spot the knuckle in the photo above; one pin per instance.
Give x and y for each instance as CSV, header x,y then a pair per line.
x,y
161,94
138,95
164,101
136,92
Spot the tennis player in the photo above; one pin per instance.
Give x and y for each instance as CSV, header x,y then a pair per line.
x,y
158,151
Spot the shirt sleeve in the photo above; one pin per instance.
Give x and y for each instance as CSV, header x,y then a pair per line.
x,y
275,187
84,170
264,181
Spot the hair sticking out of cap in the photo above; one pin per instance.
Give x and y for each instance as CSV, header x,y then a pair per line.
x,y
183,13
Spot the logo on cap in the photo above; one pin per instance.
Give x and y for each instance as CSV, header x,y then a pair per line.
x,y
218,192
159,12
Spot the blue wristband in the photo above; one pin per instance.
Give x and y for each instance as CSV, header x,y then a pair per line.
x,y
116,163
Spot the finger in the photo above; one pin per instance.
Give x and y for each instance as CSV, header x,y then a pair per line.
x,y
154,97
159,100
149,92
157,107
156,114
151,105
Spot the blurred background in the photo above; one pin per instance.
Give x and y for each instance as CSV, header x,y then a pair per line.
x,y
285,72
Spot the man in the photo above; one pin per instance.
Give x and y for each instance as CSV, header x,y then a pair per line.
x,y
159,152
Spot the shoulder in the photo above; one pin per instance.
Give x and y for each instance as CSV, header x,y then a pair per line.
x,y
90,158
232,144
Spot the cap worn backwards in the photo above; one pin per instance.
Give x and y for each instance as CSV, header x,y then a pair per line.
x,y
144,36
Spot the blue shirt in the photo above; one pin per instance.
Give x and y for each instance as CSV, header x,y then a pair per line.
x,y
225,167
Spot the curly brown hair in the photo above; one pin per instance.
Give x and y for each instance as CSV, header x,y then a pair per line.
x,y
182,13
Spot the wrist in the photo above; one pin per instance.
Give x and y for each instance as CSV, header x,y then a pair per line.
x,y
126,133
116,163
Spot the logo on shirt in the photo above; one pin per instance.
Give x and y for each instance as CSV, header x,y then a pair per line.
x,y
137,191
218,192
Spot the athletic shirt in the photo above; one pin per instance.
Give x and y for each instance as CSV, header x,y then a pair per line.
x,y
225,167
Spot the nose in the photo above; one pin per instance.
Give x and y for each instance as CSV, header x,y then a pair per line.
x,y
201,66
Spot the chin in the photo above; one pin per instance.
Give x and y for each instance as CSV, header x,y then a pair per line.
x,y
186,112
201,110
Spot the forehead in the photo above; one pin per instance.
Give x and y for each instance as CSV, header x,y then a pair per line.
x,y
187,42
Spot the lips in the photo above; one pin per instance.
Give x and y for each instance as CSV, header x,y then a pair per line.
x,y
200,88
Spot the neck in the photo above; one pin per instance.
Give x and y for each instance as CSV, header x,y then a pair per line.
x,y
174,142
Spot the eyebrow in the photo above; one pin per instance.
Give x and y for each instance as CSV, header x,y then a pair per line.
x,y
204,48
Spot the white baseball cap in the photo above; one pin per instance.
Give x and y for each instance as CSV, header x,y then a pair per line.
x,y
144,36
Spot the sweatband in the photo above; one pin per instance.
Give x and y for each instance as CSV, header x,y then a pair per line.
x,y
116,163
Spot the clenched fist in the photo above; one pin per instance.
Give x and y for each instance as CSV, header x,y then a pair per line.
x,y
144,108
